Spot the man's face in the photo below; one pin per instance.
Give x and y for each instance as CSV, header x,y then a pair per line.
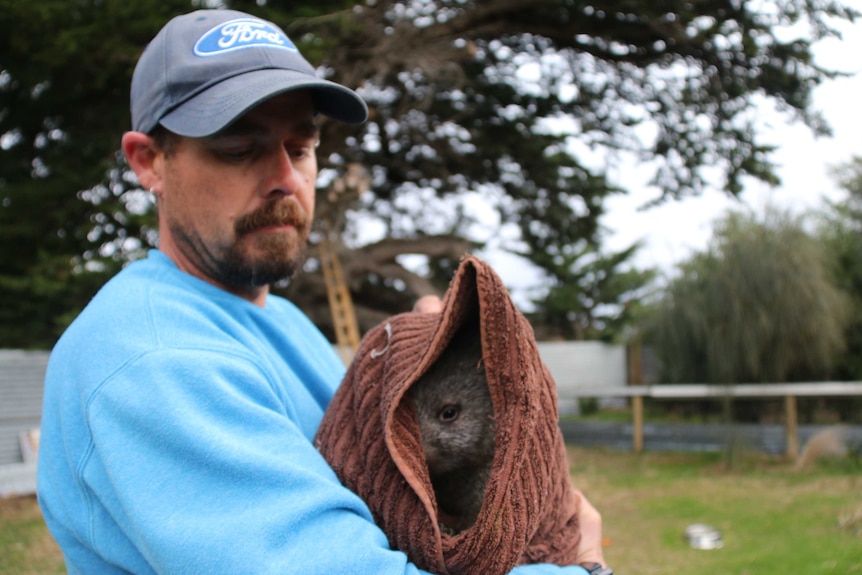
x,y
236,207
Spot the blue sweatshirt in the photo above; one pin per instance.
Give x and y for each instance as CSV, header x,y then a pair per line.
x,y
177,436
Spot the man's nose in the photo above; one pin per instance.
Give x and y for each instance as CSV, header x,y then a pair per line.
x,y
285,178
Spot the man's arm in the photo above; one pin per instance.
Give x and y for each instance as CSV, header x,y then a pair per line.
x,y
197,461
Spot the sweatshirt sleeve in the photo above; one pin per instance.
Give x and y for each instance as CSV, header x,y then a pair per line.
x,y
198,461
196,458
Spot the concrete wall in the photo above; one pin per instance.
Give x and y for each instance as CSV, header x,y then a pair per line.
x,y
577,364
22,377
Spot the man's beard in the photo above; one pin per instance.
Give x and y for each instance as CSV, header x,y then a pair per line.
x,y
279,255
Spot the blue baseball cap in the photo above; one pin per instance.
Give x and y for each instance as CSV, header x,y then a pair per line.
x,y
205,69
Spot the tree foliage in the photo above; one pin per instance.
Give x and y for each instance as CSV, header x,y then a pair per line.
x,y
760,305
499,97
490,95
592,296
65,67
840,231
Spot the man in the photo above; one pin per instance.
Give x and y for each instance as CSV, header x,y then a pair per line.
x,y
181,404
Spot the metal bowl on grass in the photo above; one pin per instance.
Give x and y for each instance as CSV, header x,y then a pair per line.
x,y
701,536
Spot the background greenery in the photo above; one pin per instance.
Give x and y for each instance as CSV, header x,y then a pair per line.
x,y
453,116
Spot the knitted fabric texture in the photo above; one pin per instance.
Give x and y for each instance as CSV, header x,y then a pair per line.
x,y
370,436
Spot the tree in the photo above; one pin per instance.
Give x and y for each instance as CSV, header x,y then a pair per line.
x,y
592,296
465,96
759,305
840,230
64,73
490,95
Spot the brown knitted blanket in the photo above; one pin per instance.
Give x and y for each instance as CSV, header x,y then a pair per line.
x,y
370,437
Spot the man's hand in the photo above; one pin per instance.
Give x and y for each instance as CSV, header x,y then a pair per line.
x,y
428,304
590,547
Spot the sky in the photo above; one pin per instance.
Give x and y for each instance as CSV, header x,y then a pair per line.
x,y
673,231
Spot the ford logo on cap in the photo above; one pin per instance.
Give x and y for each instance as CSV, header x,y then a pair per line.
x,y
242,33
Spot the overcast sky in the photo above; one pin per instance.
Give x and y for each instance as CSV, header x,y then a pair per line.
x,y
673,231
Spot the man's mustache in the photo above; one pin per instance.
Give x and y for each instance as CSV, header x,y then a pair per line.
x,y
277,213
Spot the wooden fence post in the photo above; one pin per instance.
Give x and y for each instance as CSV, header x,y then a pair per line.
x,y
635,376
791,431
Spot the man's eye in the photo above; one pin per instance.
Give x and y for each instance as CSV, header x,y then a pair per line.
x,y
234,148
302,148
237,153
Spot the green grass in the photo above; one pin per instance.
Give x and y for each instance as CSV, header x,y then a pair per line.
x,y
774,521
26,547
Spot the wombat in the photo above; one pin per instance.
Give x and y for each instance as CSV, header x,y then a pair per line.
x,y
456,423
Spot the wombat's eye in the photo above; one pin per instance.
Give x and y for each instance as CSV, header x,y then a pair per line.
x,y
449,413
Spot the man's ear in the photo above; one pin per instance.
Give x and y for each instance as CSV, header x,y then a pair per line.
x,y
144,157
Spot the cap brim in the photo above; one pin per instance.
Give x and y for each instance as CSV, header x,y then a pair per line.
x,y
217,107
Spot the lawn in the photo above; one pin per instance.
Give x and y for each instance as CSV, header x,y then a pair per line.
x,y
26,547
774,521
